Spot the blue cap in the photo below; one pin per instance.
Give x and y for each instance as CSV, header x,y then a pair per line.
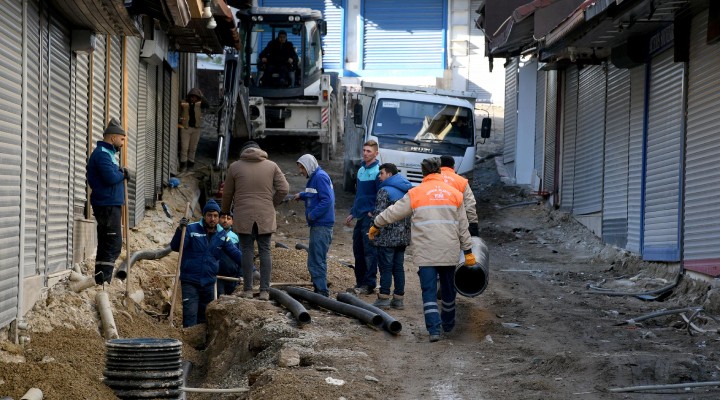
x,y
211,205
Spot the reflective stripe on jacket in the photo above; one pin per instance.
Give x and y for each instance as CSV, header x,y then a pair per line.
x,y
439,222
462,184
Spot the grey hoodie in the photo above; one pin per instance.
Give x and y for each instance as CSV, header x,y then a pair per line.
x,y
309,162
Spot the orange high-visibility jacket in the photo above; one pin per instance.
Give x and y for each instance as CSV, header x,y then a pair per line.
x,y
462,184
439,222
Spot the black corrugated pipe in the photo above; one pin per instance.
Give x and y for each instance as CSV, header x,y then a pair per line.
x,y
297,309
122,270
362,314
391,324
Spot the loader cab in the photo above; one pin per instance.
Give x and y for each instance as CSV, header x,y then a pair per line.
x,y
303,28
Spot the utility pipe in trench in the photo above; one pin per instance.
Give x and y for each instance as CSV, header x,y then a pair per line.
x,y
106,317
391,324
33,394
294,306
122,271
362,314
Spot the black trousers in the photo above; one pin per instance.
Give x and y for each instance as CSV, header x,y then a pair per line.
x,y
109,243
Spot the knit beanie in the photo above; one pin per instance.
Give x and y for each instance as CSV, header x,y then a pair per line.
x,y
447,161
211,205
249,144
114,128
430,166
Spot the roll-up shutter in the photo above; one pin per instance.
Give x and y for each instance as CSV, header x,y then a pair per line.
x,y
79,121
33,167
552,87
166,106
540,110
114,58
663,176
398,36
588,188
511,106
617,138
174,116
569,136
333,14
702,177
142,143
98,89
131,66
10,151
635,157
152,138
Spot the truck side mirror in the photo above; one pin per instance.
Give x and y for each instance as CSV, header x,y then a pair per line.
x,y
485,127
358,114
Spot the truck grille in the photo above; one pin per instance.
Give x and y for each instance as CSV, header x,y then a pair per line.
x,y
414,176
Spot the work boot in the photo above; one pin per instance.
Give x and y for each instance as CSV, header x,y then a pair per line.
x,y
248,294
264,295
434,338
383,301
183,167
397,302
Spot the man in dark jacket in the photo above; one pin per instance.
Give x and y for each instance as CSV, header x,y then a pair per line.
x,y
392,240
205,243
105,177
279,57
319,201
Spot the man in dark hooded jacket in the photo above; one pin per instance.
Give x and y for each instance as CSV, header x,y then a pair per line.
x,y
392,240
319,201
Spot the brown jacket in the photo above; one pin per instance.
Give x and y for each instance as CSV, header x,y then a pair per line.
x,y
254,186
439,222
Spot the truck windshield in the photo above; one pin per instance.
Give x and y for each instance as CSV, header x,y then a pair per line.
x,y
423,122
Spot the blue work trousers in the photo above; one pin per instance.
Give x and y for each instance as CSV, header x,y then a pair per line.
x,y
365,254
195,299
390,262
320,240
445,314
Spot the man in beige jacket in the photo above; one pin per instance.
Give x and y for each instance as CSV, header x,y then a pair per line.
x,y
191,127
254,187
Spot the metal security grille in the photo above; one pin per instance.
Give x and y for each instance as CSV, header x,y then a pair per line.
x,y
702,209
174,116
551,99
396,36
151,139
663,177
79,121
141,144
114,58
511,106
569,133
131,66
10,152
98,88
166,106
635,157
617,138
540,110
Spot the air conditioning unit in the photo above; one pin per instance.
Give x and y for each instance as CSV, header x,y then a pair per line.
x,y
155,49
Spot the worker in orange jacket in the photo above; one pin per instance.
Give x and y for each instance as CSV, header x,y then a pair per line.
x,y
439,230
447,170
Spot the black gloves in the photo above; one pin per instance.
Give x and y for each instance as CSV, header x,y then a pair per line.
x,y
183,221
126,173
474,229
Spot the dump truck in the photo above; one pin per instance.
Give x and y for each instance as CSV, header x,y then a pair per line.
x,y
410,123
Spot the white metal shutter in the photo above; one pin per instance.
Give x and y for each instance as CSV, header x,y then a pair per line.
x,y
401,36
131,66
617,144
702,176
663,176
548,182
33,166
152,138
10,152
59,209
511,107
141,143
540,110
588,188
114,58
80,87
174,117
635,157
569,136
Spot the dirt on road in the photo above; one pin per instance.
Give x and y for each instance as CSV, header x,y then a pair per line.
x,y
537,332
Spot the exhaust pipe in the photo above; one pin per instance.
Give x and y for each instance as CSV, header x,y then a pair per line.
x,y
297,309
122,270
362,314
391,324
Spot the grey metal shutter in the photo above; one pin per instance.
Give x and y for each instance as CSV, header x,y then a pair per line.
x,y
33,167
98,88
59,208
132,65
114,58
510,120
174,117
141,142
398,36
550,131
151,139
79,121
635,157
569,136
334,14
10,151
702,176
663,176
166,106
617,144
587,193
540,109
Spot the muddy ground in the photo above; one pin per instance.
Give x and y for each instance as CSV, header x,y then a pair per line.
x,y
535,333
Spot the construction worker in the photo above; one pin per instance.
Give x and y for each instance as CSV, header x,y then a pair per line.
x,y
447,170
205,243
439,231
228,267
106,179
